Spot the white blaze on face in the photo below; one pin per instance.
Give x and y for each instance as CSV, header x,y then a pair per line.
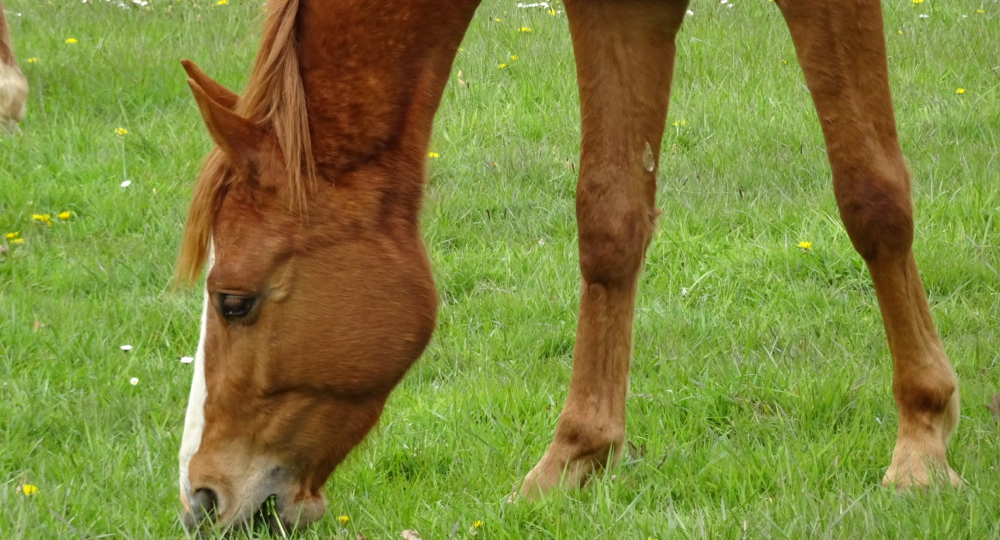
x,y
194,420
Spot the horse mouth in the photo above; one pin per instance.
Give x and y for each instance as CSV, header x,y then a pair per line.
x,y
269,517
266,519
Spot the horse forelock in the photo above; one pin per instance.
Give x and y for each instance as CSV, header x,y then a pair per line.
x,y
275,99
205,201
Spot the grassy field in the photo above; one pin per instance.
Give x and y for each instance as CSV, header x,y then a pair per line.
x,y
760,404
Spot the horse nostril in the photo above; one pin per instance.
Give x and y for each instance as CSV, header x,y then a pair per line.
x,y
203,504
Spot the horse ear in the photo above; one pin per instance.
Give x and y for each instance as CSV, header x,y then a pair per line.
x,y
220,94
235,135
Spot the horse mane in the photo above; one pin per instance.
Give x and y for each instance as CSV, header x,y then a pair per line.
x,y
274,98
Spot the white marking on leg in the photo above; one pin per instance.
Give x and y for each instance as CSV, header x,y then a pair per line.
x,y
194,420
13,94
648,160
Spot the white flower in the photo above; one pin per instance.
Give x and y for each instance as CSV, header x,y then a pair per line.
x,y
690,13
186,359
134,381
126,183
126,348
923,16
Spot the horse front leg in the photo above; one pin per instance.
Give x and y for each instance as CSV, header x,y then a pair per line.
x,y
841,48
624,57
13,85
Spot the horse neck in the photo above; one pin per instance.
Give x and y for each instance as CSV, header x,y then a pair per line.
x,y
373,75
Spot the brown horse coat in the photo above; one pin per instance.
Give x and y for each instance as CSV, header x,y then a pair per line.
x,y
320,297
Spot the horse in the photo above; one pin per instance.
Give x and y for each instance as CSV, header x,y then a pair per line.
x,y
318,293
13,85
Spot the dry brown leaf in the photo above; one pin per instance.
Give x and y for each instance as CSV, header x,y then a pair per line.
x,y
994,407
409,535
636,453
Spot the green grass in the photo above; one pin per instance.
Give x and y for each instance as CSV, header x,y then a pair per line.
x,y
760,403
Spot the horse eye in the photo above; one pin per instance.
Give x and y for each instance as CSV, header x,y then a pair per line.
x,y
233,306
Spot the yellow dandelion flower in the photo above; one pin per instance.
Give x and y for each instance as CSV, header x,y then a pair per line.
x,y
915,2
551,12
784,62
960,91
343,520
32,60
121,131
222,2
65,215
513,57
69,41
29,489
524,29
501,66
42,218
805,245
900,32
433,155
679,123
17,241
477,524
12,235
497,19
980,11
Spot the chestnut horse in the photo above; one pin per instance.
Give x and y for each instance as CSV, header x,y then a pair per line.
x,y
13,86
318,295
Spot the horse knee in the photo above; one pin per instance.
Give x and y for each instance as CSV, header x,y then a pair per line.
x,y
924,391
613,243
877,213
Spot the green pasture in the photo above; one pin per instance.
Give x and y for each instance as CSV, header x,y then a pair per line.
x,y
760,402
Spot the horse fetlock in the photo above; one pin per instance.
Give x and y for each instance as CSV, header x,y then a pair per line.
x,y
928,400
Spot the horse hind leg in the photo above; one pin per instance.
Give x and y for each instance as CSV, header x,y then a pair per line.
x,y
13,85
841,48
624,55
